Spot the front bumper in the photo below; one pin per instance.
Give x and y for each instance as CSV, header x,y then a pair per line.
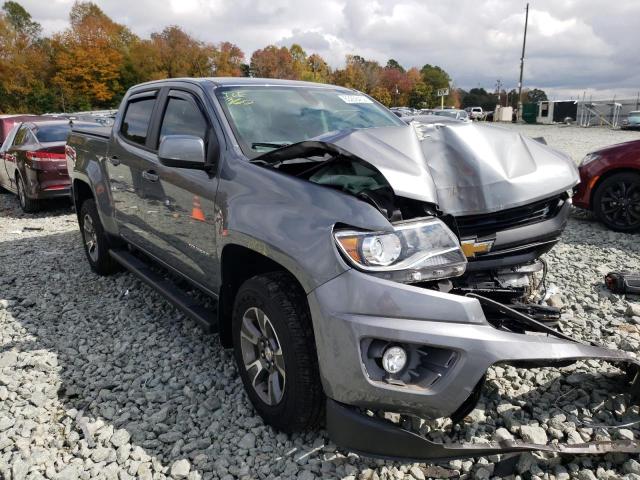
x,y
354,308
378,438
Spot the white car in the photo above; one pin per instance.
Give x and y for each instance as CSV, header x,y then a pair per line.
x,y
475,113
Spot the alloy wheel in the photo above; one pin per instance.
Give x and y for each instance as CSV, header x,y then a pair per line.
x,y
620,204
262,356
90,237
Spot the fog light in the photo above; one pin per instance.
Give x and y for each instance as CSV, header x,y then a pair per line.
x,y
394,359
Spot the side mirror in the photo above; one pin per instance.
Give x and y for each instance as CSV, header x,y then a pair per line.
x,y
182,151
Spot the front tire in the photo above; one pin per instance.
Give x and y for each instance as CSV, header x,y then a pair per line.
x,y
28,205
275,352
616,202
95,240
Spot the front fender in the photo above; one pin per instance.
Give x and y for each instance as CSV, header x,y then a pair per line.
x,y
288,219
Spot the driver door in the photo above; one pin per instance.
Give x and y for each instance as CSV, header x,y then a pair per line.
x,y
180,202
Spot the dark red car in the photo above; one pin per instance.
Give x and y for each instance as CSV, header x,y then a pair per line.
x,y
610,186
32,162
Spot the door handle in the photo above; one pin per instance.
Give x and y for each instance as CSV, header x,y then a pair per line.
x,y
115,161
150,175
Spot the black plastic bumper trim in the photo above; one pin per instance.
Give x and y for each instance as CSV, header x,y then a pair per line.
x,y
373,437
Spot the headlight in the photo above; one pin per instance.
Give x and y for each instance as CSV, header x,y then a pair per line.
x,y
590,157
413,252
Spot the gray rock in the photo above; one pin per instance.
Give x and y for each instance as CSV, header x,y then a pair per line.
x,y
180,469
631,466
8,358
586,475
6,423
625,434
120,437
248,441
416,472
502,434
633,310
533,434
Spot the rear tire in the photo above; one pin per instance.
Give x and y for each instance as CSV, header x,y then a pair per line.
x,y
616,202
276,354
95,241
28,204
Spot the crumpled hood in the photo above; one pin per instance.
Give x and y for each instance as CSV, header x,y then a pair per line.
x,y
479,168
464,168
396,152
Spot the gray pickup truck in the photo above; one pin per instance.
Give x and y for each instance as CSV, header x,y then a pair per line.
x,y
355,263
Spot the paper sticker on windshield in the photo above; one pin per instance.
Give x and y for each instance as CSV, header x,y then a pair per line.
x,y
355,99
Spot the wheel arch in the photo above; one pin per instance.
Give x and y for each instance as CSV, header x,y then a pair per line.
x,y
238,264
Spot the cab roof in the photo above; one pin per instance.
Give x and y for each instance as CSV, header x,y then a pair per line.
x,y
245,81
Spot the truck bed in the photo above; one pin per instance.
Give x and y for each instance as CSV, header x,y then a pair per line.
x,y
93,129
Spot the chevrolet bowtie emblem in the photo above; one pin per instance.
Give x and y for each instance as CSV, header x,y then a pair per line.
x,y
473,247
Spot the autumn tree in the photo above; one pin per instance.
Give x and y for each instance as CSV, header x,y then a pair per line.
x,y
88,59
273,62
317,69
227,60
24,63
382,95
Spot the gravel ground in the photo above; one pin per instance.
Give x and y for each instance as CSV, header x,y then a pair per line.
x,y
101,378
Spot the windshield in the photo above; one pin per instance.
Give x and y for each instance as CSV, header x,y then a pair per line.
x,y
268,117
634,115
52,133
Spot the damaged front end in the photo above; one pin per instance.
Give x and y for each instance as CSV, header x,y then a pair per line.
x,y
456,313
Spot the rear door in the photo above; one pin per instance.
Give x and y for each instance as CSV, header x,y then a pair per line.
x,y
180,202
130,154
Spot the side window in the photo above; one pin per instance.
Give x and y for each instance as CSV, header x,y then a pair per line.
x,y
135,124
182,117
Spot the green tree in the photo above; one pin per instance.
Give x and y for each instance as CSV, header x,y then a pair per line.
x,y
21,20
536,95
436,78
420,95
393,64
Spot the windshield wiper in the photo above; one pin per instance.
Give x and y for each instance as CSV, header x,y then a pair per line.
x,y
269,144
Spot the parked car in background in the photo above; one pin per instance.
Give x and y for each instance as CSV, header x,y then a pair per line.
x,y
475,113
32,162
403,111
452,113
610,186
632,121
8,121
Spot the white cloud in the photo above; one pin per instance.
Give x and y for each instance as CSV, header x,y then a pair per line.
x,y
572,45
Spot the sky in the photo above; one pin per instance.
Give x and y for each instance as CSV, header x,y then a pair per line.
x,y
574,47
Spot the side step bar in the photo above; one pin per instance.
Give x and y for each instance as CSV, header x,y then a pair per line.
x,y
206,317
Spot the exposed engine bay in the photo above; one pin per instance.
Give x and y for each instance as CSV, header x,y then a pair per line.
x,y
503,247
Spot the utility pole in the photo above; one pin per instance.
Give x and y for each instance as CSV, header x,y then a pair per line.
x,y
499,91
524,44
